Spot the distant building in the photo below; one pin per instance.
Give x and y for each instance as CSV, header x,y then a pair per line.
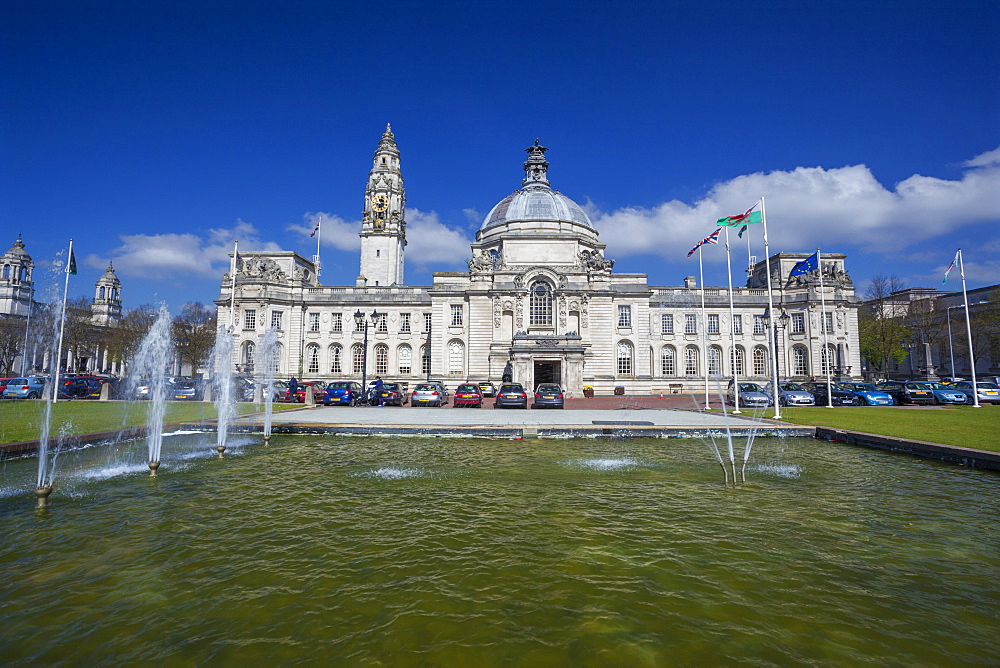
x,y
539,300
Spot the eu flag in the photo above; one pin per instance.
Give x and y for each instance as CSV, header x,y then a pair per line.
x,y
811,263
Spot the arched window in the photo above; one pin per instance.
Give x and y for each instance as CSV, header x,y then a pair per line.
x,y
278,356
625,367
456,358
336,359
668,361
357,358
312,358
404,355
540,305
248,353
425,360
101,295
828,358
6,272
691,361
800,364
382,360
759,361
715,361
739,361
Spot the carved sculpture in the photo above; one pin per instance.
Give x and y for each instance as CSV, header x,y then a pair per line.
x,y
594,261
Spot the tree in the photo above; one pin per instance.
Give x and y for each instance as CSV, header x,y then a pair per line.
x,y
194,331
881,332
11,341
124,340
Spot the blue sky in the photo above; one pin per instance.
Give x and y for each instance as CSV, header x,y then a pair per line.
x,y
156,133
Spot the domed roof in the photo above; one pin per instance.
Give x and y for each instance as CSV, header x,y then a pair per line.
x,y
536,200
17,254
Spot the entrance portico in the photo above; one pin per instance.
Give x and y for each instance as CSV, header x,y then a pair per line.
x,y
548,359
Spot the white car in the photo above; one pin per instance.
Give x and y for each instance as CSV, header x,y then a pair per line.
x,y
791,394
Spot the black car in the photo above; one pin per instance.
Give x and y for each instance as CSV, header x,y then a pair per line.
x,y
511,395
907,392
392,394
548,395
839,397
80,388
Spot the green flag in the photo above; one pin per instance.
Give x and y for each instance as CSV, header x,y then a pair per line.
x,y
748,218
71,267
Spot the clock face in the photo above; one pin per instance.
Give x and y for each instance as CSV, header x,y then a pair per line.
x,y
380,203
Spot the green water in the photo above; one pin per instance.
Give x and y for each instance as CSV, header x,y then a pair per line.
x,y
445,552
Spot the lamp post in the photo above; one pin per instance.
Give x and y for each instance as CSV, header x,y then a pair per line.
x,y
359,319
776,323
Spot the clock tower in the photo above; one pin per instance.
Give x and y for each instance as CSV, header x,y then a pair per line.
x,y
383,224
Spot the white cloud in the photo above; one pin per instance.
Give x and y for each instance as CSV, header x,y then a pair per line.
x,y
175,256
812,206
431,241
334,230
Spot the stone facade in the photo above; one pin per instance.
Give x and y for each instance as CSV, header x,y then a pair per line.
x,y
540,301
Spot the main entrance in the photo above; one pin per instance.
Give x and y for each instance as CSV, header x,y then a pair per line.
x,y
547,372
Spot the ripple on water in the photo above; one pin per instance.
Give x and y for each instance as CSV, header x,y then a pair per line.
x,y
389,473
607,464
780,470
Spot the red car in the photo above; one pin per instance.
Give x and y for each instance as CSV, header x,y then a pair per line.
x,y
316,387
468,395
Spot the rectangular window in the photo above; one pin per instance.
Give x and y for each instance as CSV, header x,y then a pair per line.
x,y
759,327
404,324
828,323
382,325
359,324
667,323
276,319
425,361
456,315
250,318
314,322
624,315
798,323
737,324
428,318
690,323
336,323
713,323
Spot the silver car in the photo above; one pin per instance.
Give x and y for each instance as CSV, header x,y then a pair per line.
x,y
751,395
791,394
429,394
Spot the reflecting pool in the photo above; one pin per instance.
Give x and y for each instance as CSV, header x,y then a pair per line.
x,y
477,552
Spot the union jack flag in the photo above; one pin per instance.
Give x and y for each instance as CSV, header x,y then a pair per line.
x,y
712,238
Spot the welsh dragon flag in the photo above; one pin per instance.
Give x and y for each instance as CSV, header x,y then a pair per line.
x,y
748,218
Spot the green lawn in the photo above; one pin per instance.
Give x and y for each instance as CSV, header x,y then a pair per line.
x,y
20,420
964,426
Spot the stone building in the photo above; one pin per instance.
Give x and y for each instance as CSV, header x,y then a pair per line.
x,y
540,299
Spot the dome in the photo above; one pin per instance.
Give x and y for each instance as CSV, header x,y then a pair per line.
x,y
536,200
536,204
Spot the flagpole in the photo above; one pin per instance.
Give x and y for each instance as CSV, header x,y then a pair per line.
x,y
319,235
968,332
62,323
770,309
232,289
822,326
732,331
704,323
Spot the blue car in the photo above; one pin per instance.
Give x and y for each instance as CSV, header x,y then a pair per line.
x,y
869,394
25,388
946,394
342,393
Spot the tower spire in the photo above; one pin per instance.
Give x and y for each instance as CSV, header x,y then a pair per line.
x,y
536,167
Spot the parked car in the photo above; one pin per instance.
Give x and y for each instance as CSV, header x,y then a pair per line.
x,y
79,387
315,386
751,395
3,385
907,392
511,395
429,394
946,394
868,393
987,392
144,386
791,394
188,390
25,388
487,389
342,393
392,394
838,397
548,395
468,394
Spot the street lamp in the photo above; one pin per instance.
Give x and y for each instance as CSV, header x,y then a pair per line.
x,y
359,320
780,322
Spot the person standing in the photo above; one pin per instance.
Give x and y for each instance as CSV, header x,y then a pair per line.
x,y
378,390
293,387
